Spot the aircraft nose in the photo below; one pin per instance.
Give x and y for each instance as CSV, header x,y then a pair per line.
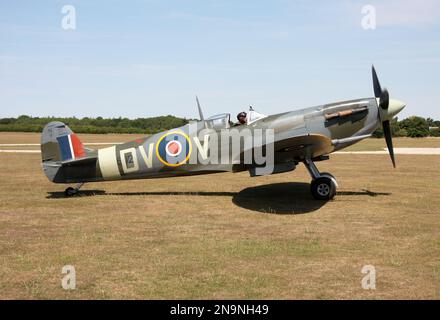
x,y
394,108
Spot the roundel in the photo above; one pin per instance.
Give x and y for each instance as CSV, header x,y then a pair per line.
x,y
173,148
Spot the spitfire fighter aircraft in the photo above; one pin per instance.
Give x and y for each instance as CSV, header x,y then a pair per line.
x,y
308,135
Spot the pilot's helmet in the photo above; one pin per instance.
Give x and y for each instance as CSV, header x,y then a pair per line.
x,y
240,117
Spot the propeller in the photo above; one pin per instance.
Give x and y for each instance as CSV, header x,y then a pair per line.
x,y
385,116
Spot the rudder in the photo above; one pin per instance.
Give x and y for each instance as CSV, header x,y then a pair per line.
x,y
59,145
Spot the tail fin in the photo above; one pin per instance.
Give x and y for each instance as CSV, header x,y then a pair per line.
x,y
60,147
59,143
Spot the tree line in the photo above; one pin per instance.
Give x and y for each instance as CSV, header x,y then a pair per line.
x,y
410,127
413,127
94,125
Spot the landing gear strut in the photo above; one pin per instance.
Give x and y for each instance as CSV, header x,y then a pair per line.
x,y
323,185
69,192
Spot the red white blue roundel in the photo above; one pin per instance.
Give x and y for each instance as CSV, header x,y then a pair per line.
x,y
173,149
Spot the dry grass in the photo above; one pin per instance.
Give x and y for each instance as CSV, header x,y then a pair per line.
x,y
224,235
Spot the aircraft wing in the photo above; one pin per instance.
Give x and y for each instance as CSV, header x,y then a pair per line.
x,y
304,146
298,148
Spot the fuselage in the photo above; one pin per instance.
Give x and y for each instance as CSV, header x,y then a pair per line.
x,y
147,157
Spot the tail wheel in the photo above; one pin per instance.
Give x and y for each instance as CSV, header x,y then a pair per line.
x,y
323,188
69,192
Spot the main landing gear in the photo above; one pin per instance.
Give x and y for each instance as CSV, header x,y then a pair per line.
x,y
323,185
70,192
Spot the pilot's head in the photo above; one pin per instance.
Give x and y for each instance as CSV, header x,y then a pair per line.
x,y
241,117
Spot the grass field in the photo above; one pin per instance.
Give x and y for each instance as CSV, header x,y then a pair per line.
x,y
223,235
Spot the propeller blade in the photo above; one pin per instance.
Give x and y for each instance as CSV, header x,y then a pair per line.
x,y
389,140
384,99
376,83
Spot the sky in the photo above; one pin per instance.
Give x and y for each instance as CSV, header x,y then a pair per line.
x,y
148,58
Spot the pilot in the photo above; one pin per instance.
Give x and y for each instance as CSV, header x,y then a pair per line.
x,y
242,117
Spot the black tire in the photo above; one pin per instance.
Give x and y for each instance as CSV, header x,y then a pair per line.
x,y
326,174
323,188
69,192
323,174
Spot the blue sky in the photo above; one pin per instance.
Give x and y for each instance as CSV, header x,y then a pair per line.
x,y
147,58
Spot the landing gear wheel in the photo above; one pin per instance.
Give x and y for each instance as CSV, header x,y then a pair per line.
x,y
323,188
326,174
69,192
329,175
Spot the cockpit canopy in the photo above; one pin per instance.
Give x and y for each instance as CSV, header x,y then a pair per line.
x,y
222,121
219,121
254,116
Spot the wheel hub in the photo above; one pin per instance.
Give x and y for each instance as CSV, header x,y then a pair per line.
x,y
323,189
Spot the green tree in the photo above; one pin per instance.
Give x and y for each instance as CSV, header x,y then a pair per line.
x,y
435,132
416,127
